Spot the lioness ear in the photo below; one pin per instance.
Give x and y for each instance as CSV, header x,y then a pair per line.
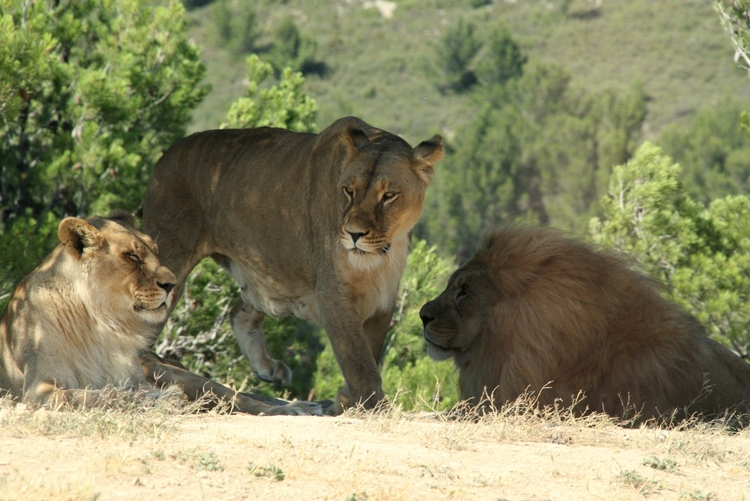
x,y
123,217
76,234
429,153
355,138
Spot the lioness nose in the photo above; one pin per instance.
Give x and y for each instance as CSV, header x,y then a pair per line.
x,y
166,286
356,235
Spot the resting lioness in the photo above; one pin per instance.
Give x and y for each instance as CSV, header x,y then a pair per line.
x,y
316,226
83,320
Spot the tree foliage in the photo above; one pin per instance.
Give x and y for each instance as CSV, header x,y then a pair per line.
x,y
701,252
91,93
713,151
504,60
234,25
292,50
539,149
284,105
454,55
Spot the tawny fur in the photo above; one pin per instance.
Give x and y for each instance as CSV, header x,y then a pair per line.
x,y
561,315
78,321
85,318
312,225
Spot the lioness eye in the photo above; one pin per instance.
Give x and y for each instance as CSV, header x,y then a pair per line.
x,y
133,257
464,291
388,196
349,193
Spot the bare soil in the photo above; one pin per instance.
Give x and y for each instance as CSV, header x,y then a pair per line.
x,y
357,457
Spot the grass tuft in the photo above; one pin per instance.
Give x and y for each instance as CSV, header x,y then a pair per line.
x,y
268,471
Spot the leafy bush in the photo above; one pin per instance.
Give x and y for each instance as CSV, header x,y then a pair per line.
x,y
701,252
713,151
284,105
91,93
199,334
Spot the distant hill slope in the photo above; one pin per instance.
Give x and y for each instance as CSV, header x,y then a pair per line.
x,y
380,68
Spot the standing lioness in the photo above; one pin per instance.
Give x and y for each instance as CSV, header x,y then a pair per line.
x,y
316,226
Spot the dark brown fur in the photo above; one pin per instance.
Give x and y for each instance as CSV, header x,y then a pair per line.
x,y
532,309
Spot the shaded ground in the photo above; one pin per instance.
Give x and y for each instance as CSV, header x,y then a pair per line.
x,y
397,456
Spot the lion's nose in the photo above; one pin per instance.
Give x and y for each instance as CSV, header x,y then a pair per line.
x,y
426,319
167,286
356,235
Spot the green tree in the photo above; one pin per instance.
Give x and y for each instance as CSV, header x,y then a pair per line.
x,y
733,14
504,59
454,55
112,89
234,25
91,94
284,105
291,49
538,149
713,150
702,253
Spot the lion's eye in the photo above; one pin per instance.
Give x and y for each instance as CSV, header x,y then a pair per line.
x,y
388,196
349,193
133,257
463,291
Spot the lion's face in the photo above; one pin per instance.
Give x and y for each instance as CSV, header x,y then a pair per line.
x,y
453,320
122,268
382,194
379,207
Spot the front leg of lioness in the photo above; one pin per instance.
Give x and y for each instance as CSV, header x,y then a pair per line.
x,y
376,329
355,358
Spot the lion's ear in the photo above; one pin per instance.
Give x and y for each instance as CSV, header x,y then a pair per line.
x,y
428,153
77,234
123,217
355,137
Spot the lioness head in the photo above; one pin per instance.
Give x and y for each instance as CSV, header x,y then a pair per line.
x,y
121,267
382,188
453,320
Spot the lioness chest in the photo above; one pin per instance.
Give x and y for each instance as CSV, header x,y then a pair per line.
x,y
371,284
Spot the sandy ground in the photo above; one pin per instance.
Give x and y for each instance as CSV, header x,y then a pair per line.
x,y
400,456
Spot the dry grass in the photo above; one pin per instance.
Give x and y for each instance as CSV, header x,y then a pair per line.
x,y
122,416
517,452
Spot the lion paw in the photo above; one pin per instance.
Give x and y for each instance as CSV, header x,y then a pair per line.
x,y
277,373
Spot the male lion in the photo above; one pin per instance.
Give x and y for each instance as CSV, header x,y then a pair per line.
x,y
83,320
533,310
316,226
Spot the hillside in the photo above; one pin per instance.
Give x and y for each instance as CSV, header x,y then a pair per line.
x,y
382,68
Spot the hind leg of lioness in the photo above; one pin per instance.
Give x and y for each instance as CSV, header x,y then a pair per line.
x,y
247,323
161,373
